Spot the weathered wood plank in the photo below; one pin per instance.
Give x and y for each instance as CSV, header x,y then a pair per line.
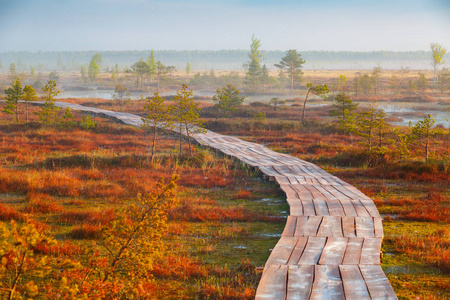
x,y
378,226
371,208
321,208
289,228
349,226
282,251
301,223
348,207
273,284
335,208
297,251
377,283
370,253
312,251
308,208
361,211
289,191
353,251
354,285
296,210
300,279
330,226
327,283
302,192
364,227
311,226
334,250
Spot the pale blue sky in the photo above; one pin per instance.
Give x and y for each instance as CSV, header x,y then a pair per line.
x,y
358,25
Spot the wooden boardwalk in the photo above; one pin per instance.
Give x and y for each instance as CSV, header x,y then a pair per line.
x,y
330,247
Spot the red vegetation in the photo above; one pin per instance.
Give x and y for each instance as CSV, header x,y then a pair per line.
x,y
86,231
102,217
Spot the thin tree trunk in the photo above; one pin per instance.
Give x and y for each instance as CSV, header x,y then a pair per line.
x,y
304,106
292,80
154,141
181,135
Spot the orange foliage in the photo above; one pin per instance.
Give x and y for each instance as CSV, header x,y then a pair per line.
x,y
8,213
179,267
41,203
244,194
102,217
86,231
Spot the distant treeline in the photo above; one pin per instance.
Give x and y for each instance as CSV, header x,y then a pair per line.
x,y
219,60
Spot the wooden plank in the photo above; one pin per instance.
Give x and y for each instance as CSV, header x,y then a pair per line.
x,y
296,210
300,179
273,284
301,222
297,251
353,251
311,226
300,279
370,253
354,284
312,251
302,192
361,211
294,202
282,251
292,179
308,208
289,228
321,208
335,208
334,250
378,226
289,191
330,226
327,283
377,283
347,205
364,227
348,226
325,192
314,191
282,180
371,208
336,193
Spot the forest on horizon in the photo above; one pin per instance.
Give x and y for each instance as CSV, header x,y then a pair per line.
x,y
219,60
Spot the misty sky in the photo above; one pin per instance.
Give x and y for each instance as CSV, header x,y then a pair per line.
x,y
358,25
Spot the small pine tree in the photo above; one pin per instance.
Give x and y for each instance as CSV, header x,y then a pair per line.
x,y
424,135
320,90
369,123
30,95
68,120
185,113
49,112
13,95
343,108
158,115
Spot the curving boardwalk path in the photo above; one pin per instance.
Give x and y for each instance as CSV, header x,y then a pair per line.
x,y
330,247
